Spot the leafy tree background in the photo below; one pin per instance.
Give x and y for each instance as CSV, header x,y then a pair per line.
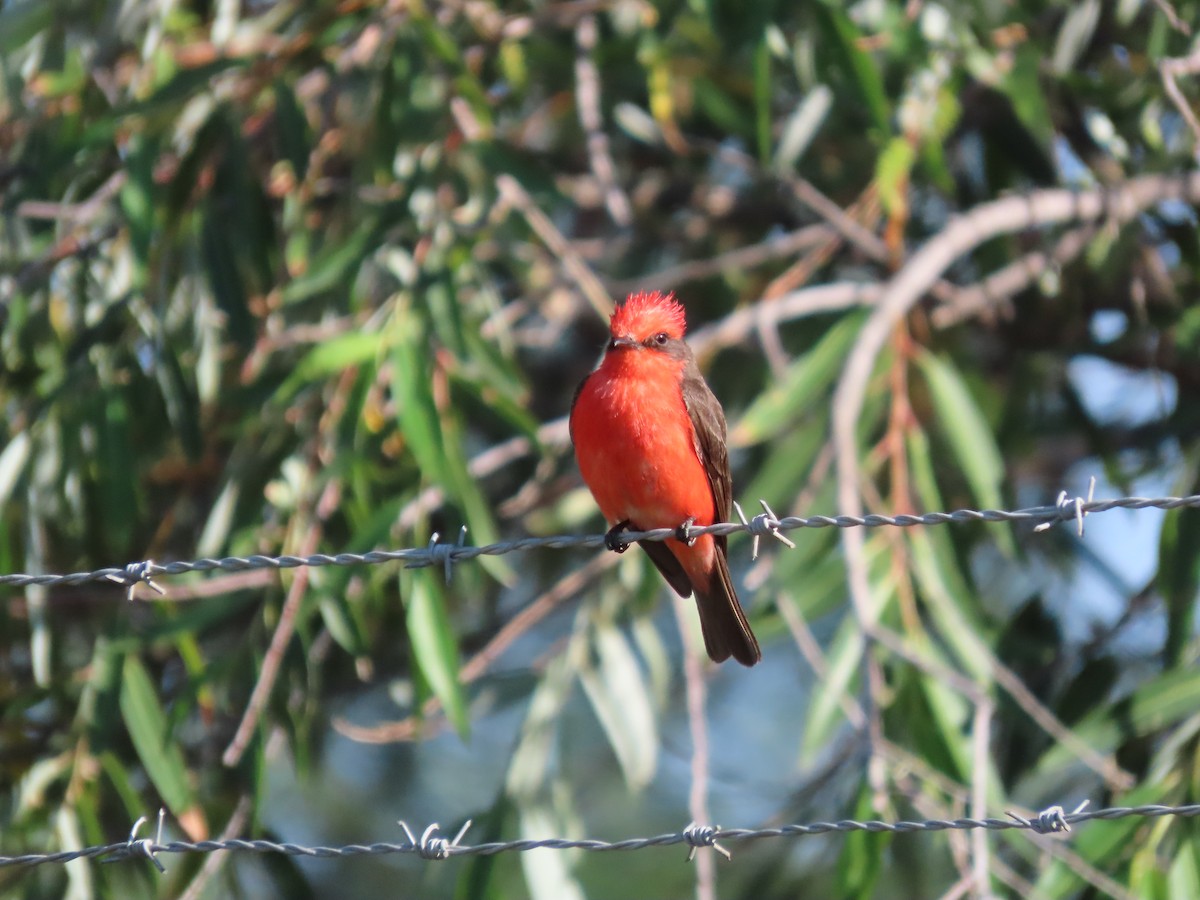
x,y
288,278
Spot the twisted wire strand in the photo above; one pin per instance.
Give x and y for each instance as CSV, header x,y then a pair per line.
x,y
1067,509
435,848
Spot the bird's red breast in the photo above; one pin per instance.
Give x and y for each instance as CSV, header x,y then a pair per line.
x,y
634,438
650,441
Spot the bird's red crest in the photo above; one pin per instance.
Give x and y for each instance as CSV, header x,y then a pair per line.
x,y
645,314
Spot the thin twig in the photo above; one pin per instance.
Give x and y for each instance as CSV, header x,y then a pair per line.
x,y
1170,69
914,279
214,863
284,629
983,297
740,259
587,99
573,264
693,677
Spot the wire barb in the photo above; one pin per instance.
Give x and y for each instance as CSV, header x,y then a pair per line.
x,y
445,554
1071,508
1053,820
136,573
697,836
618,538
144,846
765,523
430,846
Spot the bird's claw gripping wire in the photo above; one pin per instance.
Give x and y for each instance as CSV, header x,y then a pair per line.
x,y
613,540
683,533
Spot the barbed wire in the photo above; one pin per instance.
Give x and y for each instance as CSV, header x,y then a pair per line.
x,y
432,846
765,524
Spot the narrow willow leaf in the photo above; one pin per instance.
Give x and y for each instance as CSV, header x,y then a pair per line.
x,y
147,726
433,642
1159,704
802,126
12,463
530,765
844,40
618,694
70,837
329,357
803,388
548,875
844,656
892,173
415,408
331,269
861,860
970,437
844,662
1178,577
436,441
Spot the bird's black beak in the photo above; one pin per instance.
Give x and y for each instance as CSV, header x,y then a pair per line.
x,y
619,342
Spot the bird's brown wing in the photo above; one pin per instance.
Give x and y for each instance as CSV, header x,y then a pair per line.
x,y
726,630
708,436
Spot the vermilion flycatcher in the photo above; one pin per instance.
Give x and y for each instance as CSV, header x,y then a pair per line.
x,y
650,440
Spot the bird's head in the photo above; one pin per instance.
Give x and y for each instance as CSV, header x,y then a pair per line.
x,y
651,320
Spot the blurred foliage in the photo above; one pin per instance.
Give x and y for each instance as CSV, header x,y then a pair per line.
x,y
262,290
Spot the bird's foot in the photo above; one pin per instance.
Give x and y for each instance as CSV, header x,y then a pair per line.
x,y
613,540
684,532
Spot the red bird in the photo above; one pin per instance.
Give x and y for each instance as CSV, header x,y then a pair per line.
x,y
650,440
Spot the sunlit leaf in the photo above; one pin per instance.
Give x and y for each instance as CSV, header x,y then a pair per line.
x,y
617,691
147,724
435,647
969,435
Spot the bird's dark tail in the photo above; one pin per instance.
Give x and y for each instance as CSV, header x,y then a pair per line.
x,y
722,621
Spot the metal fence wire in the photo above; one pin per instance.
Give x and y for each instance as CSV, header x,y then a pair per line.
x,y
447,555
431,845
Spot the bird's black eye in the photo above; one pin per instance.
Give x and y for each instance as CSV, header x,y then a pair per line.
x,y
661,338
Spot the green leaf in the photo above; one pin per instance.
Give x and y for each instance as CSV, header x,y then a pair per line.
x,y
867,78
354,348
20,22
334,266
936,568
861,860
892,173
434,645
970,437
1178,578
762,99
1159,704
803,387
618,695
12,464
436,439
147,726
843,665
